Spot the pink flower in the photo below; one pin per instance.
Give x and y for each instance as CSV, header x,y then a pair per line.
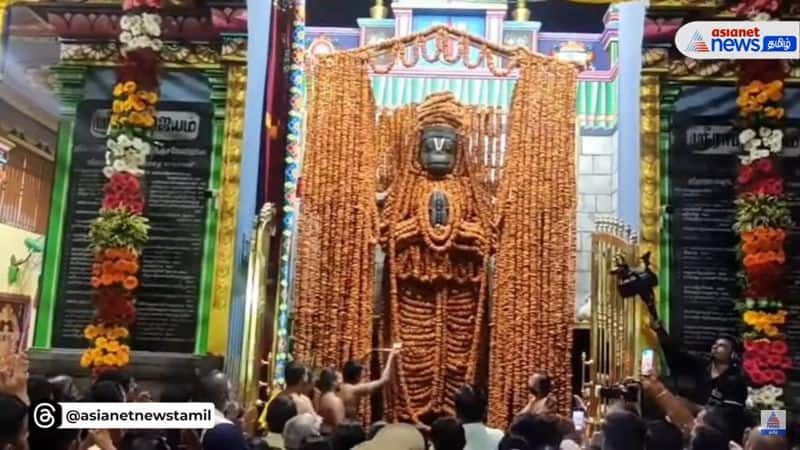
x,y
141,4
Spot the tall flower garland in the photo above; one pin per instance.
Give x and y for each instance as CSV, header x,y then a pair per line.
x,y
120,232
762,220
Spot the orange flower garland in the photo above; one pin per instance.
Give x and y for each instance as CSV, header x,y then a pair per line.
x,y
533,303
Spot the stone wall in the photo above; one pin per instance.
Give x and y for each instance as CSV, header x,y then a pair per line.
x,y
597,196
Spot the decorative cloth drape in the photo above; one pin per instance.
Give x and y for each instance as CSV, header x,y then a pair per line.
x,y
533,302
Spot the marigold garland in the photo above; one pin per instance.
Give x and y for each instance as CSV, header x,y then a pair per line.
x,y
120,232
338,228
762,218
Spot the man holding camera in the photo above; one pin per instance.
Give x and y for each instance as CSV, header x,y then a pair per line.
x,y
716,380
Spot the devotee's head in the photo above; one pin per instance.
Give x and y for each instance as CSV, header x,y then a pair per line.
x,y
280,410
723,349
374,428
623,430
395,436
13,423
214,388
731,421
756,441
352,372
328,381
39,389
513,442
705,437
471,405
119,377
300,429
143,440
298,377
662,435
348,436
539,431
539,385
448,434
106,391
64,388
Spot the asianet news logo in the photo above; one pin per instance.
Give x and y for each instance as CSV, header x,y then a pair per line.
x,y
739,40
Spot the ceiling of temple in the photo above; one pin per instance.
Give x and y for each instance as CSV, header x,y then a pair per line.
x,y
30,51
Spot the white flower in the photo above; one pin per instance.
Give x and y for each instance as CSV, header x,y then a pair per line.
x,y
134,21
123,140
125,22
752,144
151,23
125,37
157,44
758,154
108,171
119,165
761,17
138,143
745,160
777,134
746,136
109,158
764,132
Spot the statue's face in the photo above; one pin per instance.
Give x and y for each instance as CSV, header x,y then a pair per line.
x,y
437,152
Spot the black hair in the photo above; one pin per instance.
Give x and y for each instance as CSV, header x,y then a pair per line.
x,y
64,389
448,434
538,430
471,404
327,380
351,372
709,438
317,443
623,430
143,440
662,435
296,373
731,421
545,385
39,389
348,436
12,419
513,442
279,411
253,443
175,393
106,391
117,376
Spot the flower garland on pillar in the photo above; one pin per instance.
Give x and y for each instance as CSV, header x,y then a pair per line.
x,y
762,220
120,232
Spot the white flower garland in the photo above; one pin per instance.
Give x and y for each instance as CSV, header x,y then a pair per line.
x,y
765,397
760,144
140,31
126,154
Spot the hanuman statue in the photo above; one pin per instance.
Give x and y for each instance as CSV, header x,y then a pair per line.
x,y
442,224
436,232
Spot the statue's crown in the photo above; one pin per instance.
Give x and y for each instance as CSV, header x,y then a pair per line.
x,y
440,109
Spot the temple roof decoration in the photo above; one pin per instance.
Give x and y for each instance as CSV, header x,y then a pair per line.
x,y
486,19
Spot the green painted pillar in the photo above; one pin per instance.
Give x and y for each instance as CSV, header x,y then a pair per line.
x,y
71,80
217,81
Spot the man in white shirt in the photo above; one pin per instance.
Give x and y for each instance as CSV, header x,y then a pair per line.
x,y
471,405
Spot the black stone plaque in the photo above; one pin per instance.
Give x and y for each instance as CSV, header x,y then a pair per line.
x,y
176,183
702,169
